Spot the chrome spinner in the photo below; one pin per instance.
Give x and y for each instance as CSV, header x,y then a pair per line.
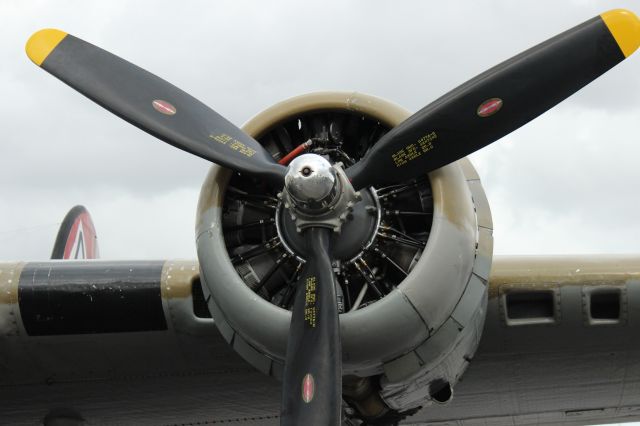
x,y
317,193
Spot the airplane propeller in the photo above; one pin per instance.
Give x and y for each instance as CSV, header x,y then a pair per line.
x,y
150,103
500,100
313,368
475,114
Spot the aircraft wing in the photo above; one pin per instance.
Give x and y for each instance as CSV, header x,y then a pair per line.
x,y
132,343
119,343
560,346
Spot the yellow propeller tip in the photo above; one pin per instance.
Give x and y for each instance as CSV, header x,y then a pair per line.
x,y
42,43
624,26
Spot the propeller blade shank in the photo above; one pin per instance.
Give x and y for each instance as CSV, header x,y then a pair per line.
x,y
500,100
150,103
312,385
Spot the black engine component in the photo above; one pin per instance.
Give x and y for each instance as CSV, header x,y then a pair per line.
x,y
374,252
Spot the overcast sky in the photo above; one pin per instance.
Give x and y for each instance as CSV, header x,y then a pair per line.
x,y
565,183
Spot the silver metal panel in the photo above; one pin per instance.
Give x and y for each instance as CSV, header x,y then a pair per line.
x,y
484,253
437,282
402,368
383,320
448,366
483,211
435,348
470,302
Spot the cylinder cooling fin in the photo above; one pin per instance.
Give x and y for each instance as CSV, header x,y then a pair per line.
x,y
404,263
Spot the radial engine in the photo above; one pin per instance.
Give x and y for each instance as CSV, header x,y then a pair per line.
x,y
412,259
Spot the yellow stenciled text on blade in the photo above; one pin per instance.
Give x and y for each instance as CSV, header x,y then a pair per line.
x,y
310,309
233,144
414,150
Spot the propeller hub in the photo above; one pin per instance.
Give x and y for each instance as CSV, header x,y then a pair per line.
x,y
356,235
311,183
317,193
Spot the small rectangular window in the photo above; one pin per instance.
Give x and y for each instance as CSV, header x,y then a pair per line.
x,y
604,305
530,307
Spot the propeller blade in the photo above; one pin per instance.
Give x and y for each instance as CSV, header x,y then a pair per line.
x,y
150,103
312,385
500,100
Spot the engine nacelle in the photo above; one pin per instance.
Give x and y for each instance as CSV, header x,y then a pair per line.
x,y
417,336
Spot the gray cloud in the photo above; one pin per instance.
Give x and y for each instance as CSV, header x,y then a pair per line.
x,y
564,183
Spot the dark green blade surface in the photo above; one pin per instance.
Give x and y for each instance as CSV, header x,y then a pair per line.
x,y
312,385
177,118
490,105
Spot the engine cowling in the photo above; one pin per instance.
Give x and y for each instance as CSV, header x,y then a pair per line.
x,y
421,316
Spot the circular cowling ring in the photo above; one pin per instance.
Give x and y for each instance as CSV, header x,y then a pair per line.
x,y
372,335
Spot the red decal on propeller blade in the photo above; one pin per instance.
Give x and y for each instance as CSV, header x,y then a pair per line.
x,y
308,388
489,107
163,107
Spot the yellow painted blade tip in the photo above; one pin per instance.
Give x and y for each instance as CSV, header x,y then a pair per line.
x,y
624,25
42,43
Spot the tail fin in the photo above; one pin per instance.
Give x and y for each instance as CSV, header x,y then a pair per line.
x,y
77,236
